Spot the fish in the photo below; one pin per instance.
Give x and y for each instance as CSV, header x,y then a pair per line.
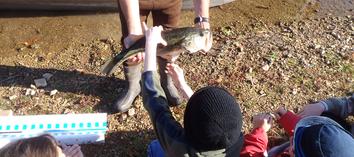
x,y
179,40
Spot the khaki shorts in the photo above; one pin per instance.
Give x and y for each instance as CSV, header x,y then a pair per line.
x,y
164,12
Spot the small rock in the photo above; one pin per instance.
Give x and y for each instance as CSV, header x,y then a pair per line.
x,y
33,92
109,41
123,117
13,97
34,46
239,47
67,111
30,92
262,93
250,70
266,67
294,92
40,82
47,76
33,86
286,78
53,92
20,49
79,70
131,112
40,59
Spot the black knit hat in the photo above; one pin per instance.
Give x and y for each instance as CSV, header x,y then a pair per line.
x,y
213,120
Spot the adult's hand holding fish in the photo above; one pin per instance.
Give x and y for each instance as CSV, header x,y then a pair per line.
x,y
129,41
208,40
153,37
187,39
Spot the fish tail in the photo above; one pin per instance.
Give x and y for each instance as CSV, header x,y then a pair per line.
x,y
109,67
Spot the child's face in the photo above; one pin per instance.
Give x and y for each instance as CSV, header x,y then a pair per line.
x,y
60,152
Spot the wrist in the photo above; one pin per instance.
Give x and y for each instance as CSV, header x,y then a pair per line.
x,y
200,19
324,106
150,57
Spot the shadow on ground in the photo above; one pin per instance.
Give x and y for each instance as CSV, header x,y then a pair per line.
x,y
121,143
65,81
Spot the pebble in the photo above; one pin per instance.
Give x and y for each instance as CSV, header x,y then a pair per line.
x,y
109,41
30,92
67,111
131,112
239,47
13,97
21,49
53,92
123,117
40,82
286,78
34,46
47,76
266,67
294,92
33,86
262,93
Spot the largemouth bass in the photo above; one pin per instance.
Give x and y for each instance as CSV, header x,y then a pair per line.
x,y
187,39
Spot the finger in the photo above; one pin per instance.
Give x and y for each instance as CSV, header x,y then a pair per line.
x,y
77,151
64,146
145,26
169,69
163,42
160,28
74,149
268,117
66,150
71,150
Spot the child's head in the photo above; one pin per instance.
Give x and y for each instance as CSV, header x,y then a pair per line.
x,y
41,146
321,136
213,121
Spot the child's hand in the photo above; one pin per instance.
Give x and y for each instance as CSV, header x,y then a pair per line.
x,y
72,151
176,73
262,120
178,78
279,112
153,35
315,109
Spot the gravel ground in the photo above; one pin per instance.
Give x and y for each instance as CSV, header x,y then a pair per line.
x,y
264,65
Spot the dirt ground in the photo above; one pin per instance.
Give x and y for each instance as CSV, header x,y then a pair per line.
x,y
267,53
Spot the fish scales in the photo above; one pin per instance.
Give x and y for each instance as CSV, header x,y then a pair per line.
x,y
178,40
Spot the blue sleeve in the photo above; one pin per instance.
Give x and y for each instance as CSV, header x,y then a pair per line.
x,y
342,107
167,129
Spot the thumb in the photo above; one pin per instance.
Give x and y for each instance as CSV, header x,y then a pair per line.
x,y
163,42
